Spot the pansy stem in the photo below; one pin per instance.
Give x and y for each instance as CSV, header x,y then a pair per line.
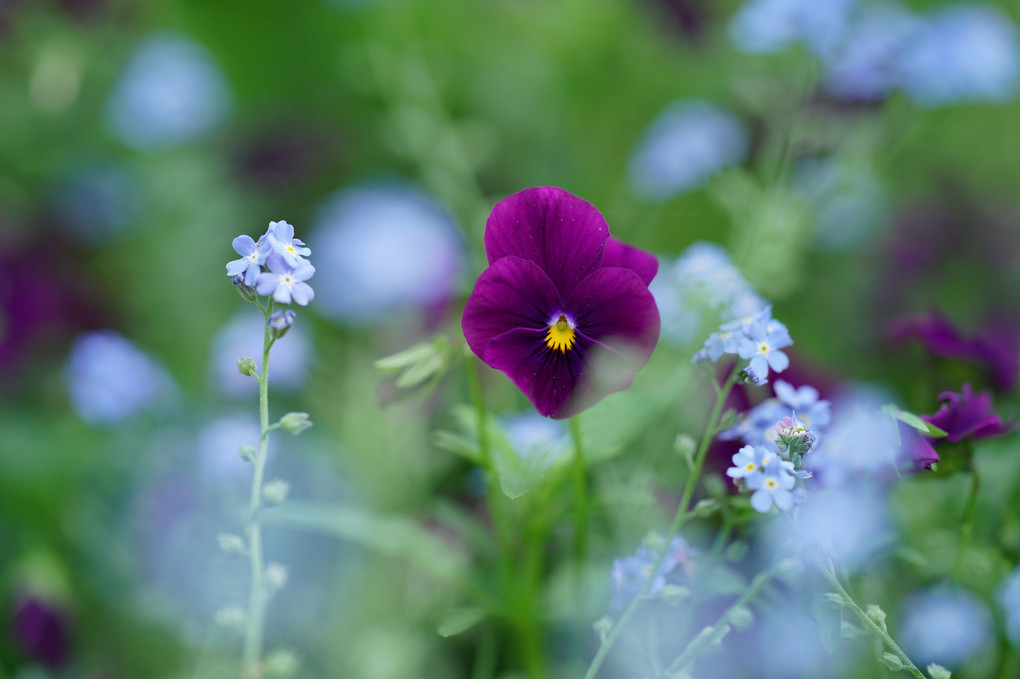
x,y
580,494
877,629
968,521
256,591
681,516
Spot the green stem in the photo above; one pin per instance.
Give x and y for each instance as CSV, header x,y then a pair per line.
x,y
877,629
256,589
711,429
703,641
580,495
968,521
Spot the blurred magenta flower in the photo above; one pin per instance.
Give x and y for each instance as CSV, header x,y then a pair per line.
x,y
40,628
384,250
967,415
683,147
997,346
109,378
560,297
170,93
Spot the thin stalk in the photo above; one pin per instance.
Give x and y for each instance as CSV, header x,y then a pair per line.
x,y
703,641
711,429
878,630
580,494
968,521
256,589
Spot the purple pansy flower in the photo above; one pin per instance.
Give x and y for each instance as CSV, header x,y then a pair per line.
x,y
559,296
286,283
41,629
280,237
253,256
967,415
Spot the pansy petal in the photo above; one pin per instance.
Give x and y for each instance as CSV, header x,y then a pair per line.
x,y
614,307
561,233
619,254
512,293
550,379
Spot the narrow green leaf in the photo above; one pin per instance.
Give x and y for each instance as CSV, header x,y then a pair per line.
x,y
459,621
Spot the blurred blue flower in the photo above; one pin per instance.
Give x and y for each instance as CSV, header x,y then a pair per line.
x,y
97,202
242,338
688,143
861,442
763,26
849,523
383,249
757,428
630,573
281,321
864,66
945,625
962,53
286,283
535,437
109,379
253,256
218,444
170,93
848,200
703,279
814,412
1009,600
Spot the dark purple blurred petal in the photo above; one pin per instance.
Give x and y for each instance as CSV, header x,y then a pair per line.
x,y
512,293
919,447
936,333
40,628
550,379
619,254
565,235
967,415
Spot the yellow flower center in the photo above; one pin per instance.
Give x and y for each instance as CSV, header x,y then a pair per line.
x,y
771,484
561,335
751,466
290,249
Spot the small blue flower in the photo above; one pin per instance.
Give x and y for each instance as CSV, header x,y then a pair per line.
x,y
253,256
762,346
280,237
285,283
757,426
280,322
763,26
772,487
630,573
750,462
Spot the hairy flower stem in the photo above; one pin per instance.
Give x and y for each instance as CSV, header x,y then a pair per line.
x,y
968,521
877,629
580,495
711,429
256,590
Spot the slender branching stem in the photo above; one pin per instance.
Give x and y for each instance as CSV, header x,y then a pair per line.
x,y
255,619
968,521
681,516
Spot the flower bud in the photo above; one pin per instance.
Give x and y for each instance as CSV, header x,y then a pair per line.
x,y
280,322
247,453
877,615
295,423
247,292
276,576
246,366
231,544
282,664
275,492
938,672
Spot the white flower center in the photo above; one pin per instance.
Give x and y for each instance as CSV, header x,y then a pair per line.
x,y
771,484
763,348
287,280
